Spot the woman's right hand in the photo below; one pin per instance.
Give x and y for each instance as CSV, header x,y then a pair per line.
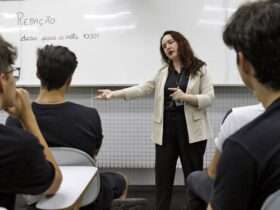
x,y
104,94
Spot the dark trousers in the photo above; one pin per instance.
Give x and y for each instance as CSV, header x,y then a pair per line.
x,y
199,187
175,144
112,186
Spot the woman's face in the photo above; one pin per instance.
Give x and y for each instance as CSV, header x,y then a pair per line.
x,y
170,47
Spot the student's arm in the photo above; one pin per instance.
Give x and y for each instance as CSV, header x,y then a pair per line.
x,y
212,169
236,178
23,111
209,207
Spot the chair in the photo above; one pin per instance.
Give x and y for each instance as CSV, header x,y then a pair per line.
x,y
272,202
66,156
79,171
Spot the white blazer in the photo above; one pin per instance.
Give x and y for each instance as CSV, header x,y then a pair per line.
x,y
196,117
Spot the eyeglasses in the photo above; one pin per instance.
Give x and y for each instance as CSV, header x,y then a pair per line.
x,y
15,71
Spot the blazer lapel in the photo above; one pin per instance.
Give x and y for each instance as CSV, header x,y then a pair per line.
x,y
190,83
163,79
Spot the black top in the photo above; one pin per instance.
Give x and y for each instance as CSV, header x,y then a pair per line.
x,y
68,125
174,80
249,168
23,167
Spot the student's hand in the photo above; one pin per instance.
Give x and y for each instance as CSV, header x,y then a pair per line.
x,y
177,94
209,207
22,105
104,94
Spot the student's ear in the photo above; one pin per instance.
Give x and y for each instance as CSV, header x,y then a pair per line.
x,y
68,82
1,87
244,64
2,77
38,75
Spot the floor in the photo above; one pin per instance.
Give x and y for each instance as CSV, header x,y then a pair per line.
x,y
148,194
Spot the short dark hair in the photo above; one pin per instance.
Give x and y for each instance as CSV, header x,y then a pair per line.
x,y
185,52
254,30
8,54
274,1
55,65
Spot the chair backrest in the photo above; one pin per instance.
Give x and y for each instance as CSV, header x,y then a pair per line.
x,y
70,156
272,202
66,156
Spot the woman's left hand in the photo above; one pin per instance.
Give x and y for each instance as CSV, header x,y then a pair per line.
x,y
178,94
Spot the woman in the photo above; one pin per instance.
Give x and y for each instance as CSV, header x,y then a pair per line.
x,y
182,91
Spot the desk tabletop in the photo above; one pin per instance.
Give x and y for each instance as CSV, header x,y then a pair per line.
x,y
75,180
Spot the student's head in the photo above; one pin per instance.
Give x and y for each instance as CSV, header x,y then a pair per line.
x,y
7,81
254,33
173,45
274,1
55,66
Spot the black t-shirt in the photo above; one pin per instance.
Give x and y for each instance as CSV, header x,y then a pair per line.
x,y
67,125
23,166
249,168
174,80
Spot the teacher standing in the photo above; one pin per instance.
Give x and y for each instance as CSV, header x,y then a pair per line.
x,y
182,91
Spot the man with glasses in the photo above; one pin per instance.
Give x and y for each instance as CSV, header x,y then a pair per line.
x,y
26,164
16,72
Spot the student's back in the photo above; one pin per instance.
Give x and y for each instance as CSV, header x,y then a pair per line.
x,y
67,125
256,149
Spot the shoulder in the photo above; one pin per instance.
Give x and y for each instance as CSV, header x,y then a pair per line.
x,y
240,116
203,69
257,108
82,109
163,68
246,113
201,73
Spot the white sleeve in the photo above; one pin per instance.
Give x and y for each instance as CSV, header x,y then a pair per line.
x,y
239,117
228,128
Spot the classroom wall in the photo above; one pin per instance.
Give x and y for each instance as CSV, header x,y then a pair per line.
x,y
127,126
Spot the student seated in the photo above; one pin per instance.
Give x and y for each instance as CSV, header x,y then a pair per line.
x,y
200,183
249,167
67,124
26,163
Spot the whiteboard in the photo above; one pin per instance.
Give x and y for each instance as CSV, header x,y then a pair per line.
x,y
117,41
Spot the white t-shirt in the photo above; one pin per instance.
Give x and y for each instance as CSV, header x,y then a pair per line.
x,y
239,117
